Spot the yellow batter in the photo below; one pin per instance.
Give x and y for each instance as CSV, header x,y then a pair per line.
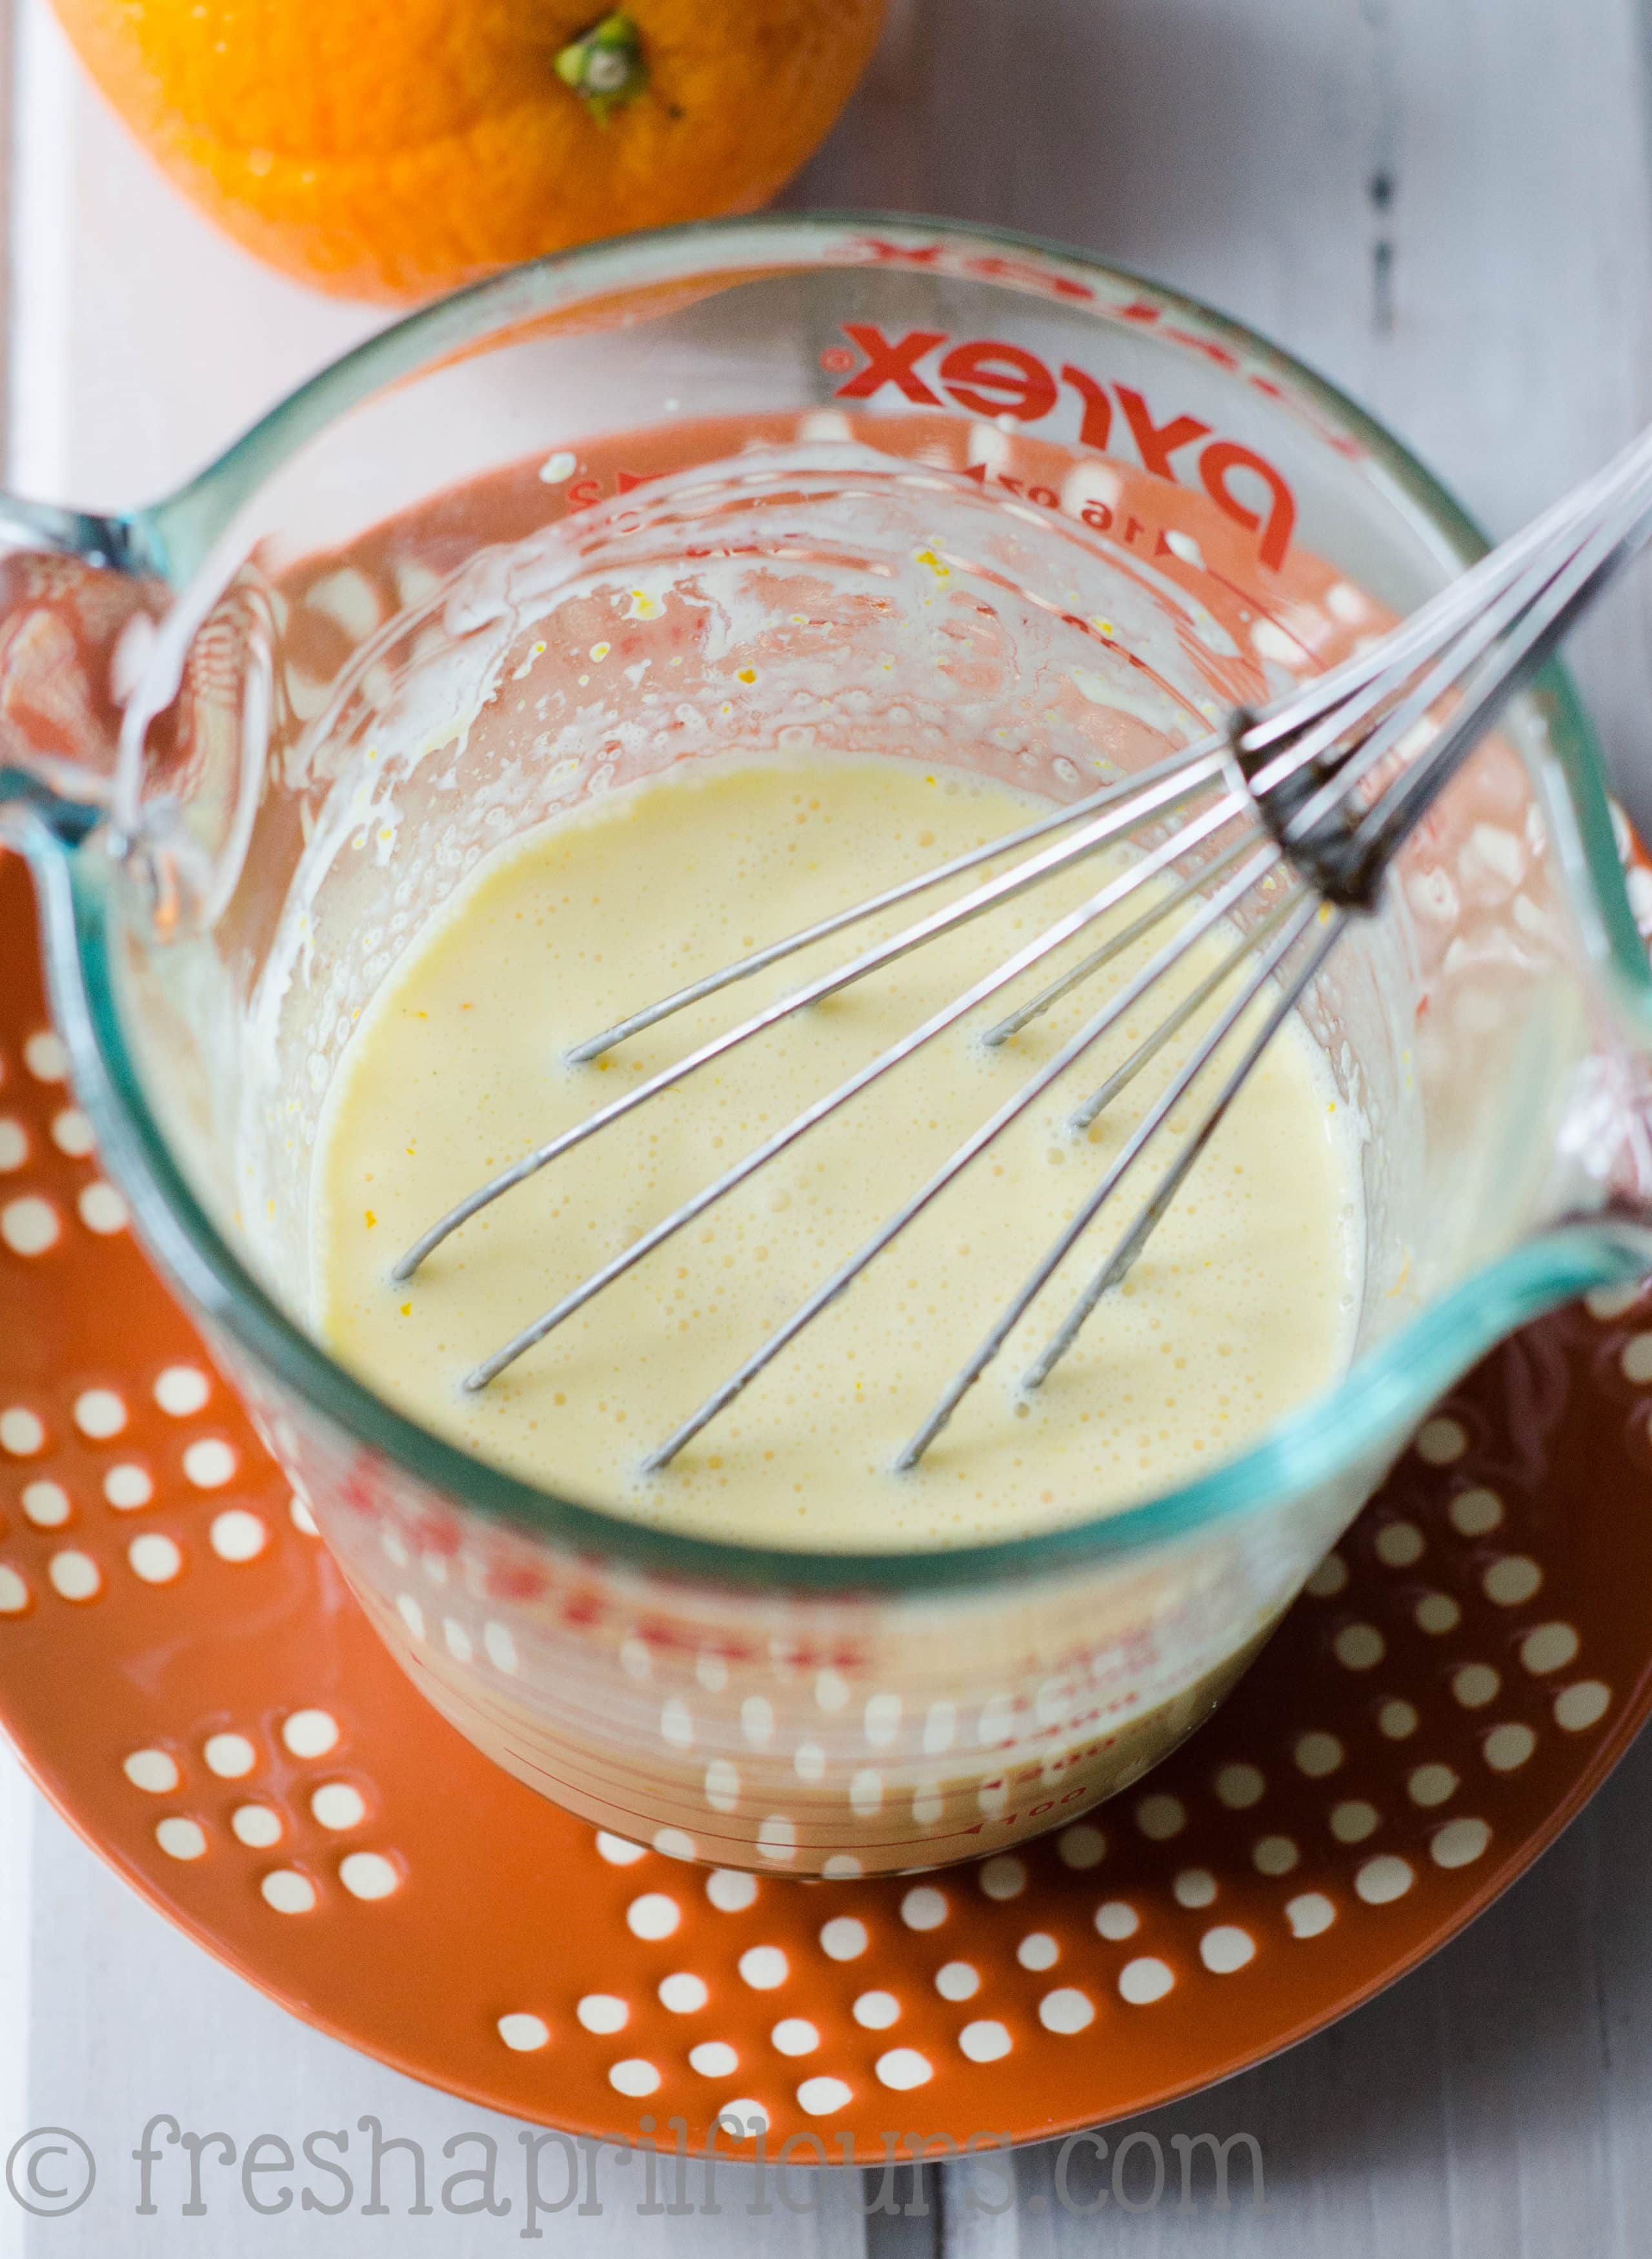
x,y
1242,1306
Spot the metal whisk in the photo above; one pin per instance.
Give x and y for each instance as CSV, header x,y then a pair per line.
x,y
1320,787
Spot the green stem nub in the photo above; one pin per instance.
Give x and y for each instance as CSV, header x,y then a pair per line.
x,y
604,66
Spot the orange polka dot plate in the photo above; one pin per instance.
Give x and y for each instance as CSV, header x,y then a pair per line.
x,y
189,1679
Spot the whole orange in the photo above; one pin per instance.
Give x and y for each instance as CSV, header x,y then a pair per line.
x,y
394,148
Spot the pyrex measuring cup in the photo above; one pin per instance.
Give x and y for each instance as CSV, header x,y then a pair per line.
x,y
968,499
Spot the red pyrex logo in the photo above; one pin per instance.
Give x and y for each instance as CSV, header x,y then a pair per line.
x,y
988,376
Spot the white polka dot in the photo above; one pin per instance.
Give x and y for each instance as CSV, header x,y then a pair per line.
x,y
1274,1855
729,1890
1310,1915
866,1791
985,2041
301,1517
238,1536
1194,1886
796,2035
181,1389
1115,1921
457,1640
957,1980
338,1805
924,1908
1398,1543
1143,1981
676,1723
722,1786
763,1967
1239,1786
903,2067
1636,1359
874,2012
682,1992
1549,1647
99,1413
1475,1512
1397,1720
72,1133
1507,1747
1382,1880
209,1463
74,1576
182,1839
1430,1785
652,1916
1475,1685
743,2119
818,2098
127,1486
45,1057
1460,1842
368,1875
29,1226
635,1660
14,1593
1081,1847
617,1851
1161,1817
673,1843
232,1756
47,1504
1511,1580
154,1770
842,1867
1003,1877
310,1732
1436,1613
256,1825
602,2012
22,1432
14,1144
101,1208
1318,1755
1359,1647
844,1938
154,1558
289,1892
714,2059
1606,1303
777,1838
523,2035
1440,1441
1581,1705
1226,1948
1353,1821
1328,1580
633,2077
1038,1951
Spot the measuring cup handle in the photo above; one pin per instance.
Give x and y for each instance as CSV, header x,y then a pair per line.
x,y
75,619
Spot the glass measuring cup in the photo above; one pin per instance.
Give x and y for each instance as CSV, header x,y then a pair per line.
x,y
255,733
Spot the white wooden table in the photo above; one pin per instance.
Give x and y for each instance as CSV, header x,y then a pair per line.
x,y
1446,205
